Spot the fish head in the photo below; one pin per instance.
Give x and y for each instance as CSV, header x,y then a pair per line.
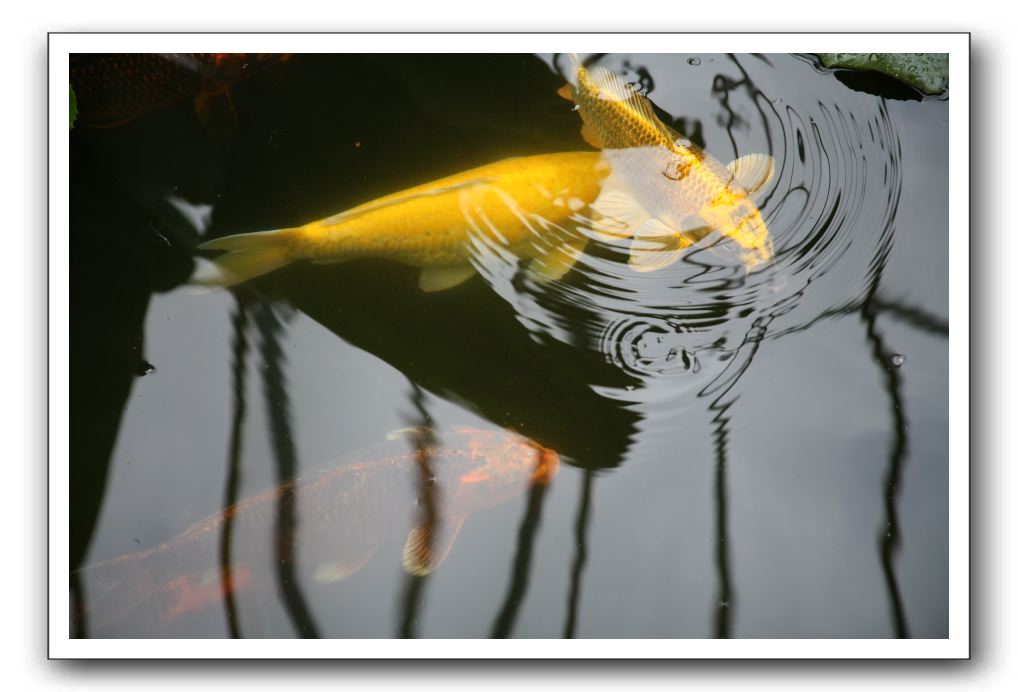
x,y
502,464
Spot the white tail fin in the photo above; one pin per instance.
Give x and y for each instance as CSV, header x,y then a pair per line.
x,y
248,255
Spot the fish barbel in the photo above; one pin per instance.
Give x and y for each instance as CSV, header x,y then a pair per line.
x,y
665,191
529,206
346,512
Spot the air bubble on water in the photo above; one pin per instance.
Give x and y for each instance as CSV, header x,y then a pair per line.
x,y
694,61
897,359
145,368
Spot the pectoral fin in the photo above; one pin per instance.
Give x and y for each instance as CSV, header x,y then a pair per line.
x,y
590,136
753,172
337,570
656,246
441,278
566,92
616,215
694,228
555,263
428,544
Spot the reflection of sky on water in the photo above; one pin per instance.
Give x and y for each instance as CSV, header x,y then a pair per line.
x,y
807,442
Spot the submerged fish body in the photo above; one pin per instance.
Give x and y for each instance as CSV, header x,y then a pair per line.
x,y
345,514
528,206
113,89
665,191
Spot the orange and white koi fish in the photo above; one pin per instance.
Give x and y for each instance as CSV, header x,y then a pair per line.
x,y
665,191
527,205
345,514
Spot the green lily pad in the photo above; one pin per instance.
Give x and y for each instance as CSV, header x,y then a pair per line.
x,y
74,107
927,72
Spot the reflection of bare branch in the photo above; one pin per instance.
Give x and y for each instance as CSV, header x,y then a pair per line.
x,y
503,625
240,349
277,403
913,316
79,622
424,442
910,315
722,385
890,538
724,603
580,532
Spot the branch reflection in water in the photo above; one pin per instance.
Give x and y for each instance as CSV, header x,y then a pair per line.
x,y
239,323
890,537
278,409
423,443
503,626
580,558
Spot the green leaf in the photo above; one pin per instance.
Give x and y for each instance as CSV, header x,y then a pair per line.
x,y
74,106
927,72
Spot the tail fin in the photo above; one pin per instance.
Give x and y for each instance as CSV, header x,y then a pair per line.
x,y
248,255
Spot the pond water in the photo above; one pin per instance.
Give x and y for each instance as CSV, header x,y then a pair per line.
x,y
758,454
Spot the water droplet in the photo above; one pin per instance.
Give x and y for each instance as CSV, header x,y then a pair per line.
x,y
694,61
897,359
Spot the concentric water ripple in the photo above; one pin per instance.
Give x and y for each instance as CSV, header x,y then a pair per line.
x,y
830,211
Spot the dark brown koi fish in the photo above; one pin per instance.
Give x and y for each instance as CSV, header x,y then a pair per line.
x,y
345,513
113,89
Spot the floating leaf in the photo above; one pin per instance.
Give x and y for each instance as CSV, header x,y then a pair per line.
x,y
927,72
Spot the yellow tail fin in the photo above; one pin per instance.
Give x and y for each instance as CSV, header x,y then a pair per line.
x,y
248,255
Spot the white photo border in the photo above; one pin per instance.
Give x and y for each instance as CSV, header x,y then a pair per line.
x,y
955,646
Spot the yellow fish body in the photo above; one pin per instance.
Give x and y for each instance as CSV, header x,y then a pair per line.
x,y
664,190
526,205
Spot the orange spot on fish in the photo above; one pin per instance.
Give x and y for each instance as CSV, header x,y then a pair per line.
x,y
192,597
475,477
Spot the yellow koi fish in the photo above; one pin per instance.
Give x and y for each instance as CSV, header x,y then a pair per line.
x,y
525,205
346,512
664,191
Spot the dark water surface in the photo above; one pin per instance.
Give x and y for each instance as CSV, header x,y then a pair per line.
x,y
742,456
